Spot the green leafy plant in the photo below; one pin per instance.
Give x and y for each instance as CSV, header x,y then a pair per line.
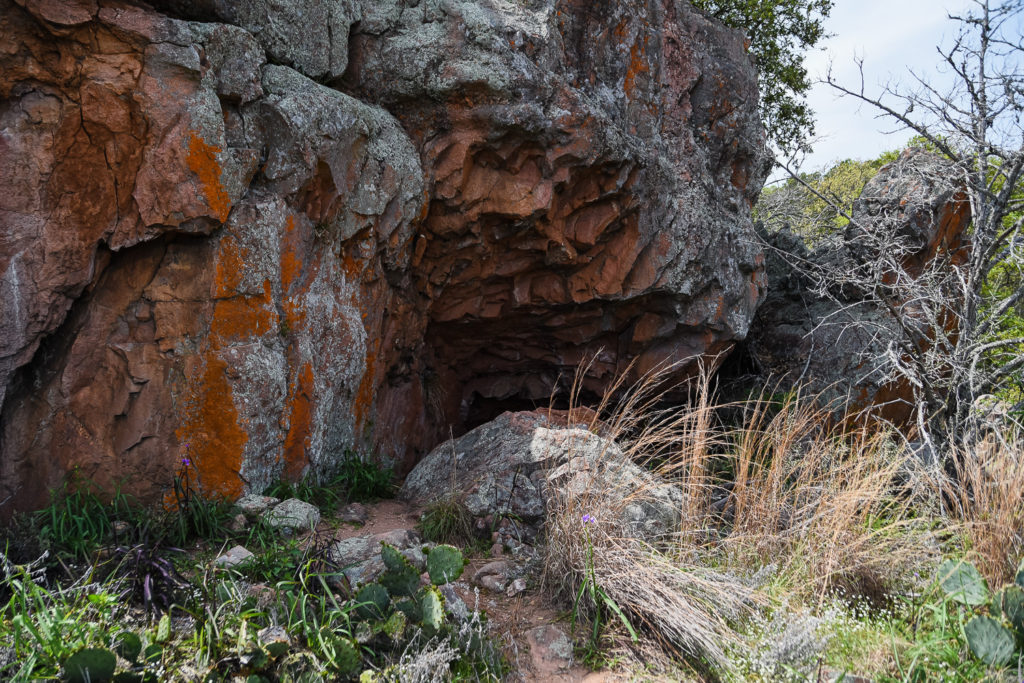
x,y
996,628
363,480
397,592
354,480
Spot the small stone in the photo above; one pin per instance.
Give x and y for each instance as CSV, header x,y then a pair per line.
x,y
550,650
253,505
238,523
354,513
235,557
497,549
496,568
293,515
516,587
272,635
492,583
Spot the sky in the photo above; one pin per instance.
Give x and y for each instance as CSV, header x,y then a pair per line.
x,y
892,37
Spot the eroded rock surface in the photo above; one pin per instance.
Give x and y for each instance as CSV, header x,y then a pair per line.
x,y
246,238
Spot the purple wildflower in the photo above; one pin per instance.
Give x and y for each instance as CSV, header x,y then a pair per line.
x,y
589,519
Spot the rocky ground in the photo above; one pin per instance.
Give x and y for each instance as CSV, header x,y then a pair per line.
x,y
534,634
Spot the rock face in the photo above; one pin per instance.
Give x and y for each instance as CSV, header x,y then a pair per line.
x,y
836,347
258,235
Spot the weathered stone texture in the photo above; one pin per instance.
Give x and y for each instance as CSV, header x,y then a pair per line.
x,y
259,234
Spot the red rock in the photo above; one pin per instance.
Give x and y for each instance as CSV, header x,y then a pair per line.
x,y
207,256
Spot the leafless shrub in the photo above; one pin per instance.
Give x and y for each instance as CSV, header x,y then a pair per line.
x,y
938,323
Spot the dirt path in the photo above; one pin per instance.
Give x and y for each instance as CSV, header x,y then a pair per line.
x,y
510,619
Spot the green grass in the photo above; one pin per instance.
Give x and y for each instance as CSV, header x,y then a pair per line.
x,y
206,628
354,480
447,520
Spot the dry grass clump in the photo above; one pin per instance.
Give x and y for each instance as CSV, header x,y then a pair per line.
x,y
986,497
830,510
686,606
834,510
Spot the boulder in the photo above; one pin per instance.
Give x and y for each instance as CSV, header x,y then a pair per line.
x,y
359,558
253,505
835,346
513,465
265,234
292,515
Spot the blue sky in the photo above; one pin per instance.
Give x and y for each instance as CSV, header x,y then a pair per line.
x,y
892,37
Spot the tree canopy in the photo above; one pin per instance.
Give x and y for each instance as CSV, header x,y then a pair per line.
x,y
780,34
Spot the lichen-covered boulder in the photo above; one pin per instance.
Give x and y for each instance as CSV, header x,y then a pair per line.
x,y
521,463
292,515
836,347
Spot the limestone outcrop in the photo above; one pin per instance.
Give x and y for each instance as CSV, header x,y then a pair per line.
x,y
248,238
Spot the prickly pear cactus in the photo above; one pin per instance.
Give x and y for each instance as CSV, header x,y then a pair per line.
x,y
90,665
410,609
401,578
1019,579
962,582
432,608
990,641
346,656
373,602
444,564
1011,604
393,558
129,646
394,627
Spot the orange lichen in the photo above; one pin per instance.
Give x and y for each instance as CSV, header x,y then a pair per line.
x,y
243,317
300,424
212,430
231,265
637,63
351,266
202,160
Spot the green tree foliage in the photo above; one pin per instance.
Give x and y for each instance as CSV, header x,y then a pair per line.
x,y
780,33
795,205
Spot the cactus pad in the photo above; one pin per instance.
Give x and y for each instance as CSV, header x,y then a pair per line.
x,y
962,582
990,641
373,601
444,564
432,608
1011,604
92,664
